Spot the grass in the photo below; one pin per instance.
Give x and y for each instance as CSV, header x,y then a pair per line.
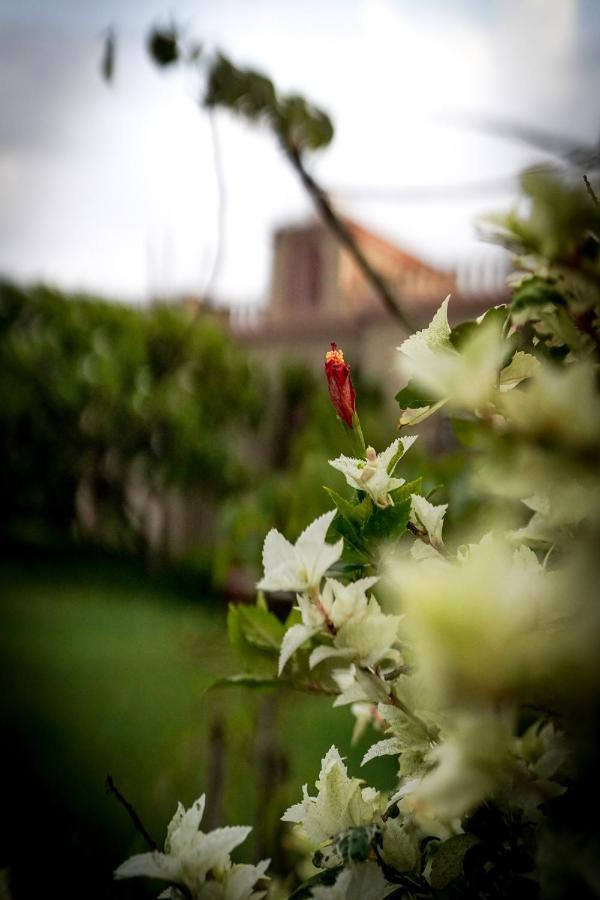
x,y
107,671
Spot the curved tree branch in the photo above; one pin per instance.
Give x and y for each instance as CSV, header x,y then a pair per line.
x,y
347,239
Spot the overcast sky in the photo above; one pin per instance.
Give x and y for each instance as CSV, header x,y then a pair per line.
x,y
112,189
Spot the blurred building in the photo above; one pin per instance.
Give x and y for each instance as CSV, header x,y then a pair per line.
x,y
318,294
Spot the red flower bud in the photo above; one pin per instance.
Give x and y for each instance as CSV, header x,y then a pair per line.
x,y
341,389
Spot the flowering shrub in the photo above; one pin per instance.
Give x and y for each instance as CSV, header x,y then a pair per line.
x,y
474,664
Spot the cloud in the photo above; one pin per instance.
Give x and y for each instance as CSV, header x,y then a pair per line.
x,y
114,189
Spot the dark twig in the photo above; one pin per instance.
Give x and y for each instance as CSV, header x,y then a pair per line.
x,y
591,190
423,536
137,822
347,239
215,772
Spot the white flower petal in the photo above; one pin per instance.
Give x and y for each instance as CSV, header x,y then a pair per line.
x,y
325,652
419,414
316,532
292,639
422,343
213,850
151,865
388,747
408,441
363,881
425,515
285,577
183,829
523,365
316,559
239,881
386,456
276,550
299,567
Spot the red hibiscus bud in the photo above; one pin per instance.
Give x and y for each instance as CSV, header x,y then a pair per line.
x,y
341,389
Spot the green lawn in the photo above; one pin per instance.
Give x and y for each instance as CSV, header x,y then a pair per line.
x,y
105,671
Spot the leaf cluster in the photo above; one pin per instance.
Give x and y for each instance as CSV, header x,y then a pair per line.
x,y
365,526
298,124
97,393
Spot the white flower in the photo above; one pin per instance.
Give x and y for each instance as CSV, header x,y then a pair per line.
x,y
313,619
427,555
360,882
342,602
370,637
373,475
428,518
341,802
419,816
467,379
560,404
470,761
461,620
419,349
198,861
361,631
299,566
337,604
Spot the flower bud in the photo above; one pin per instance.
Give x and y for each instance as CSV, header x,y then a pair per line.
x,y
341,389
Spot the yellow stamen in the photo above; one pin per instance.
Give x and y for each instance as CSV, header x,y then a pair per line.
x,y
335,356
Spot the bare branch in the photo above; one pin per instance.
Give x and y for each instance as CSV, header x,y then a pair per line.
x,y
591,190
137,822
347,239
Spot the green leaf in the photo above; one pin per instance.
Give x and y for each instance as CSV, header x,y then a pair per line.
x,y
532,297
261,627
260,654
245,679
294,618
404,492
353,564
107,65
497,315
234,630
249,93
326,877
538,300
400,846
301,125
163,46
388,523
447,864
413,396
467,431
353,512
353,539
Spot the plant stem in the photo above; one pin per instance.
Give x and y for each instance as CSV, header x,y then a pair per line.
x,y
358,435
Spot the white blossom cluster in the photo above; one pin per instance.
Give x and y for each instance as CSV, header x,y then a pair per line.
x,y
196,864
463,637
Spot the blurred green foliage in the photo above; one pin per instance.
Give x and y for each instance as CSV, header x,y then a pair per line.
x,y
556,239
109,669
101,399
98,395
